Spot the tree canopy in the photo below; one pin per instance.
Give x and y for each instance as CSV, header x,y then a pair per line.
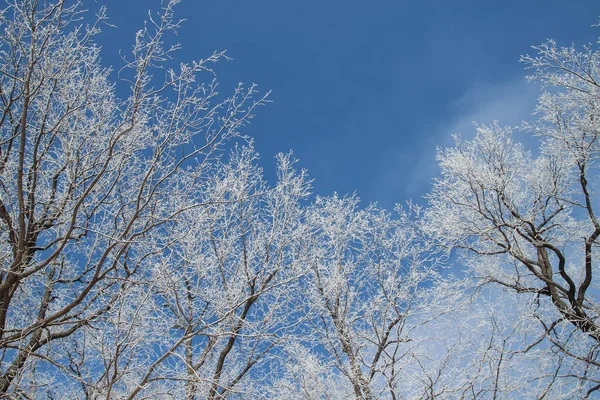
x,y
145,255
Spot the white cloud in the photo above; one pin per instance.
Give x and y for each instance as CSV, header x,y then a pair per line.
x,y
405,174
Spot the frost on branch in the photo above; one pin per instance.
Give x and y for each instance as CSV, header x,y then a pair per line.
x,y
92,187
144,255
529,223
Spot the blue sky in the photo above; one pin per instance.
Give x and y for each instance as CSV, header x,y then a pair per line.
x,y
364,91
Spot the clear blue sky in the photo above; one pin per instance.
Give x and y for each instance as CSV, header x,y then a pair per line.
x,y
364,91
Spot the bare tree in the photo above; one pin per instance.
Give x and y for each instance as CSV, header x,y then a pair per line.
x,y
204,316
140,260
528,222
368,278
90,183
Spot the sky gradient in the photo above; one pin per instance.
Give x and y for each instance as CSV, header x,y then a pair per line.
x,y
363,92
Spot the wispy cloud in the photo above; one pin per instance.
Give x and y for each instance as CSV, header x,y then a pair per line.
x,y
407,172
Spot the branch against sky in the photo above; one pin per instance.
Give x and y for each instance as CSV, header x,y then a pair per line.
x,y
91,183
528,222
203,316
141,260
367,290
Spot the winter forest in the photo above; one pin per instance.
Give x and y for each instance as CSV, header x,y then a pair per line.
x,y
145,255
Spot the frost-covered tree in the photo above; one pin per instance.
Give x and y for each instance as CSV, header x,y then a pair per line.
x,y
365,294
527,220
206,314
92,184
143,254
